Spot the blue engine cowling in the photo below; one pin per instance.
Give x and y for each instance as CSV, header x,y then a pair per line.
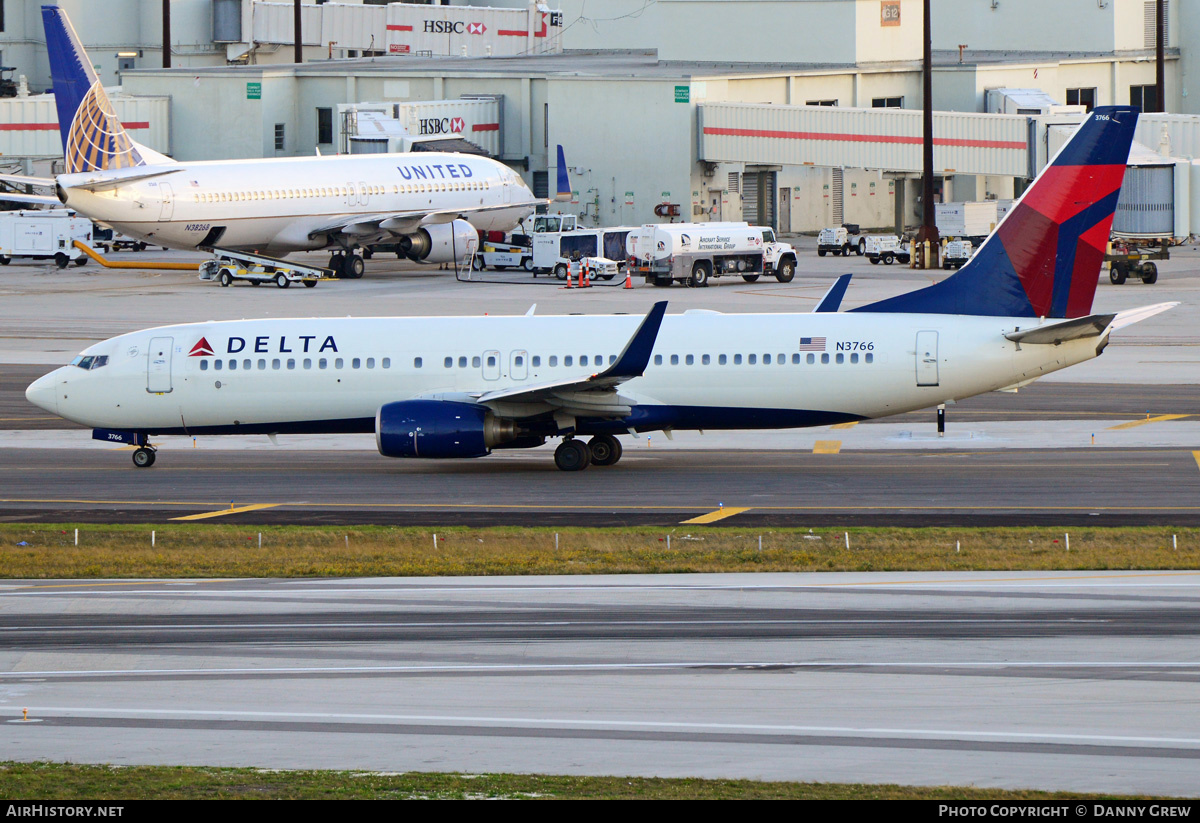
x,y
438,428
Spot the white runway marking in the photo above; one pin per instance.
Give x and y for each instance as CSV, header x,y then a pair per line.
x,y
68,711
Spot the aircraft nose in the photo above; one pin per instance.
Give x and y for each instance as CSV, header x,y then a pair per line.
x,y
43,393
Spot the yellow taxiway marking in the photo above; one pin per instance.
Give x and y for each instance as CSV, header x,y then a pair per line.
x,y
223,512
849,425
1157,419
827,447
1197,456
719,514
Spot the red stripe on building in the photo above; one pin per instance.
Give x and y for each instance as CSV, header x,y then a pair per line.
x,y
486,127
140,124
865,138
399,28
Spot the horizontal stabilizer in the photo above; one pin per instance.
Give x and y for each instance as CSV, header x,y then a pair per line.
x,y
1131,316
31,199
23,180
832,301
116,180
1093,325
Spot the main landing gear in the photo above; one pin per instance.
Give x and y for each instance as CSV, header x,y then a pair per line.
x,y
575,455
347,266
143,457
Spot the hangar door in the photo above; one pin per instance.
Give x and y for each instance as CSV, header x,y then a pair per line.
x,y
759,198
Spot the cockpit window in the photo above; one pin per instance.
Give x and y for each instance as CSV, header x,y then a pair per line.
x,y
90,361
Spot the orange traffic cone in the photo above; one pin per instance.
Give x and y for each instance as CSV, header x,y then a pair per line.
x,y
628,280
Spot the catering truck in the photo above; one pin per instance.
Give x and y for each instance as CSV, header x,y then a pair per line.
x,y
695,252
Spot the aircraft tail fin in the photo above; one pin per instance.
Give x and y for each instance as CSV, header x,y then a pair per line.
x,y
564,180
92,136
1044,258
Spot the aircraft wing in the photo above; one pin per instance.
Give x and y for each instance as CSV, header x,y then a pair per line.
x,y
403,222
595,394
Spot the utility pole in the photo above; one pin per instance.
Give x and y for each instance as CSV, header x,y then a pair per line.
x,y
166,26
299,53
929,232
1160,74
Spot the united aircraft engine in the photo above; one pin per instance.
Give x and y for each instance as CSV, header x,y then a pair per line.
x,y
439,243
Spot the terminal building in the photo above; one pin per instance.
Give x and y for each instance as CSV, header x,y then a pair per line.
x,y
790,114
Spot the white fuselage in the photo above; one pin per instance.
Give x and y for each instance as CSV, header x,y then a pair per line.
x,y
707,370
276,206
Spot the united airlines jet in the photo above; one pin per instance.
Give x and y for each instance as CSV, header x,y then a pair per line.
x,y
430,204
447,387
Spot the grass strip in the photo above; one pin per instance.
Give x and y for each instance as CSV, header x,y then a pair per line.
x,y
223,550
66,781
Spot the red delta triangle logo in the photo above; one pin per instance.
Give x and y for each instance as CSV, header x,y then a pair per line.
x,y
201,349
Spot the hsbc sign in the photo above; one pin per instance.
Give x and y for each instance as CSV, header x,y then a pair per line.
x,y
442,125
453,27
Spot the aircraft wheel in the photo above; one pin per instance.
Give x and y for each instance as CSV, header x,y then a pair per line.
x,y
750,278
143,457
606,450
337,262
225,278
785,271
139,246
572,456
353,267
281,281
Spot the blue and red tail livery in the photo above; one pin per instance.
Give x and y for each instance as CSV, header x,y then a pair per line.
x,y
1044,258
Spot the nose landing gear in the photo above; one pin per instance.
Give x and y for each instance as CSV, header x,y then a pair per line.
x,y
143,456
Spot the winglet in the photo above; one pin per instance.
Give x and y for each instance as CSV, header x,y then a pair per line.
x,y
832,301
636,355
564,180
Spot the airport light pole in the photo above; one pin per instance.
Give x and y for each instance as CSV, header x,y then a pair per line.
x,y
299,53
929,232
1160,74
166,27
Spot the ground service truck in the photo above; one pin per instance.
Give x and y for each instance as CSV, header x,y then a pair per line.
x,y
695,252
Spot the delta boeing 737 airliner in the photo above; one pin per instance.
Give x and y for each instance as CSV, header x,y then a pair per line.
x,y
442,387
431,204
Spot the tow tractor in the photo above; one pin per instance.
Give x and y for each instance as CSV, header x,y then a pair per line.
x,y
228,266
1126,259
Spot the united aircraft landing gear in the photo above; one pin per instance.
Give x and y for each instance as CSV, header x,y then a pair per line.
x,y
347,266
143,457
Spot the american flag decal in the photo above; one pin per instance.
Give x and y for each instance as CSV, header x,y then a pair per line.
x,y
812,344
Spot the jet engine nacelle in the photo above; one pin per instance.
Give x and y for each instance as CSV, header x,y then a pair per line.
x,y
439,428
442,242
